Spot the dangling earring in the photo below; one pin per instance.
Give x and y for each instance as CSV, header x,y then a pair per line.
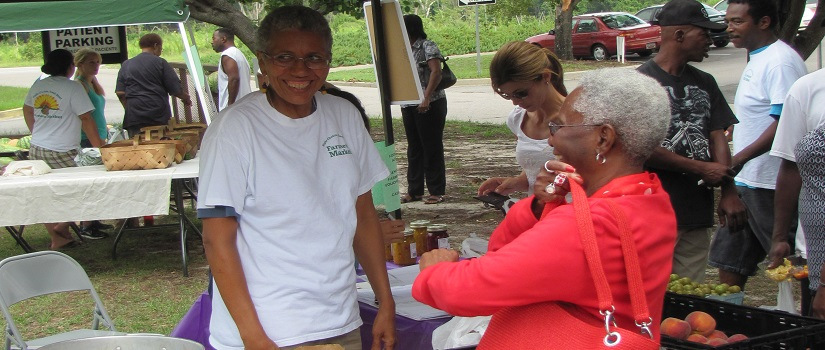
x,y
263,88
600,158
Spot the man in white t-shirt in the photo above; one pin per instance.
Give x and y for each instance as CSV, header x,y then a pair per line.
x,y
799,145
772,69
233,69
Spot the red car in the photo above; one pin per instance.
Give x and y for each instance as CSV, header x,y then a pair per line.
x,y
594,35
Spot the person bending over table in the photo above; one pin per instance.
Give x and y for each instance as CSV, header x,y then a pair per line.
x,y
284,194
532,78
601,139
56,109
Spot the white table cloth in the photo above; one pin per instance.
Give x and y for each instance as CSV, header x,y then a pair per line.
x,y
89,193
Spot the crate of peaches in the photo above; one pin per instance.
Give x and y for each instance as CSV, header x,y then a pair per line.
x,y
690,322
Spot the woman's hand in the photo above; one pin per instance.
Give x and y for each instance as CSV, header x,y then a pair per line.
x,y
436,256
392,230
383,328
500,185
424,107
553,172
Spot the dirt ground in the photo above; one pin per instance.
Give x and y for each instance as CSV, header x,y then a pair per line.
x,y
476,152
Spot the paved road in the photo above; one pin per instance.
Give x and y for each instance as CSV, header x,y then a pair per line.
x,y
471,99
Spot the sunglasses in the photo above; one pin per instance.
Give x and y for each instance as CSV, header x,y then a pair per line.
x,y
555,127
518,94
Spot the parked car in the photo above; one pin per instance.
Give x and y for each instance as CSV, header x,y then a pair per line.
x,y
810,10
594,35
720,39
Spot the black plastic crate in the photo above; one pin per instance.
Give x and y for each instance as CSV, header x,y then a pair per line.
x,y
766,329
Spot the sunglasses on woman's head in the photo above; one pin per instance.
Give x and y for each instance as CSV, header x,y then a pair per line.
x,y
519,94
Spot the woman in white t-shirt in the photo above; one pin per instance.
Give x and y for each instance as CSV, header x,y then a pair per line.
x,y
532,78
56,109
285,196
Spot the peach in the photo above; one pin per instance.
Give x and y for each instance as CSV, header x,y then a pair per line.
x,y
697,338
737,337
717,334
676,328
717,342
701,323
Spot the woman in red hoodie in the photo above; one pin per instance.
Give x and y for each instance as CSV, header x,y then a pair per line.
x,y
607,128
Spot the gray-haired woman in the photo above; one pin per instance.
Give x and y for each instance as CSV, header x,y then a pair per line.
x,y
284,194
606,129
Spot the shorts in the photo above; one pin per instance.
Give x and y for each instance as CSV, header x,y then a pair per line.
x,y
54,159
739,252
690,256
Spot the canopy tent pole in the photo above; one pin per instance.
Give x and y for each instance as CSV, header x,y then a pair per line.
x,y
382,74
190,58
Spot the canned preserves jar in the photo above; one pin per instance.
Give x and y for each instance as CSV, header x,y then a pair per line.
x,y
403,252
419,228
437,236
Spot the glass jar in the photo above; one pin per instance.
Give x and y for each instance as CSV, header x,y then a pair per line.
x,y
437,236
388,252
419,228
403,252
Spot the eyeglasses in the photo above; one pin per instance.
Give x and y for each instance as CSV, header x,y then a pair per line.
x,y
555,127
288,60
519,94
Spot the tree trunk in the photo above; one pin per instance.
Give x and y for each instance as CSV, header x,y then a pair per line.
x,y
564,31
222,13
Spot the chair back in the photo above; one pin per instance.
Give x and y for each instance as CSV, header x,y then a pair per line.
x,y
40,273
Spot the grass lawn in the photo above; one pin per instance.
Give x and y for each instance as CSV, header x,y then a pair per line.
x,y
466,68
12,97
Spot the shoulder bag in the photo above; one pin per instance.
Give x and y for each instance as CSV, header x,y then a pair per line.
x,y
448,78
558,325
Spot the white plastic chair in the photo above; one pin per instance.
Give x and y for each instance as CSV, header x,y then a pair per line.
x,y
40,273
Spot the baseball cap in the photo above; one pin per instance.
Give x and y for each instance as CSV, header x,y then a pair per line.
x,y
684,12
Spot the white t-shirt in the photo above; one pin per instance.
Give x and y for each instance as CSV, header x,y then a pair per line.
x,y
294,184
57,103
223,79
765,81
530,153
801,114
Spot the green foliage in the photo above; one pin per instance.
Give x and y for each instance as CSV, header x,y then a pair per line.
x,y
630,6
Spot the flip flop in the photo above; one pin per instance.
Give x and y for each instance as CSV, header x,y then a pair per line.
x,y
406,198
434,199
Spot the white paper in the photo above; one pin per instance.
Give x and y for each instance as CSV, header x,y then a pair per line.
x,y
405,304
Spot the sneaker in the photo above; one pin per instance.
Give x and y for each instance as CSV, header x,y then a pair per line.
x,y
100,226
92,233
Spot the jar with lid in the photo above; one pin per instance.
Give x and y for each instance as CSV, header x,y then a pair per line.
x,y
403,252
419,228
437,236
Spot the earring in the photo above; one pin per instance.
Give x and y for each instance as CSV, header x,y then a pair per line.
x,y
600,158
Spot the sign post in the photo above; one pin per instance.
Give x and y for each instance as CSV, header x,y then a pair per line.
x,y
475,3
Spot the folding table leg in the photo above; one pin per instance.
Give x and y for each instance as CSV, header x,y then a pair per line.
x,y
17,234
177,187
118,234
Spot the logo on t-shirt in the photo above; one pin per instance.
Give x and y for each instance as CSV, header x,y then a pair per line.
x,y
336,146
747,75
46,102
689,119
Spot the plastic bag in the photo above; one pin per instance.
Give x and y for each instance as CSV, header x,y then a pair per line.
x,y
116,133
784,299
473,246
88,156
460,332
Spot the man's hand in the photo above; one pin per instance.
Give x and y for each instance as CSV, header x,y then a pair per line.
x,y
732,212
779,250
713,174
436,256
260,344
383,328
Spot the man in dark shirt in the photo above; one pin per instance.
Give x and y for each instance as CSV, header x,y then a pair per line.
x,y
144,84
695,148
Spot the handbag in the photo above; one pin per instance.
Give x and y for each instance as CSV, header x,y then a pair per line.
x,y
448,78
559,325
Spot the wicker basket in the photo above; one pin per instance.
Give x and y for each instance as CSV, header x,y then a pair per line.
x,y
190,137
199,127
156,134
137,156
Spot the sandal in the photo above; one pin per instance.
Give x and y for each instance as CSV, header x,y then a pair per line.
x,y
406,198
434,199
